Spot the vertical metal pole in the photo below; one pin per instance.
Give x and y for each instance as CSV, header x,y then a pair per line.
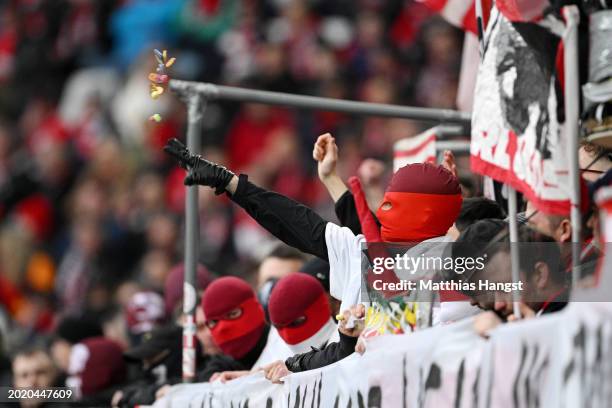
x,y
195,111
572,104
514,248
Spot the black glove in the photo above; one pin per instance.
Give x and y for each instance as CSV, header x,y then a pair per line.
x,y
180,153
201,171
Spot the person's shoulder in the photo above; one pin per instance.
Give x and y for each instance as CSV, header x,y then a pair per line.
x,y
335,231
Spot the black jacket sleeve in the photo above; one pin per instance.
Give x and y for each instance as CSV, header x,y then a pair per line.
x,y
346,211
291,222
318,358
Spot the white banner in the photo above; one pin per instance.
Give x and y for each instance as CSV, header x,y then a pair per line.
x,y
560,360
516,137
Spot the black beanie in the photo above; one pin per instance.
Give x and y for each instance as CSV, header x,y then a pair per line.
x,y
76,329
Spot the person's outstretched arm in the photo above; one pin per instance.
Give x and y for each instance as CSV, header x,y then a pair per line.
x,y
291,222
331,353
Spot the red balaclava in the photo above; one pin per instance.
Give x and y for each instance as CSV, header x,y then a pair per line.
x,y
235,337
425,201
294,296
95,364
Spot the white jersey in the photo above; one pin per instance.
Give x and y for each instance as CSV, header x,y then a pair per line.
x,y
344,250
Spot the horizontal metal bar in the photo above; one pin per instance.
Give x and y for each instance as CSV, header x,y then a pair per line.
x,y
211,91
456,146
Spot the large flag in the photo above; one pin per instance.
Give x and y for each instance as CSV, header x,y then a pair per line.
x,y
516,137
462,13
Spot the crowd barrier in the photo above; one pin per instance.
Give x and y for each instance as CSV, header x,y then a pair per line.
x,y
560,360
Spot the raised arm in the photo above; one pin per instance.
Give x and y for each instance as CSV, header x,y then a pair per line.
x,y
291,222
325,152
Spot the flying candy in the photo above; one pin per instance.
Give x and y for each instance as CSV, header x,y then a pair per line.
x,y
159,78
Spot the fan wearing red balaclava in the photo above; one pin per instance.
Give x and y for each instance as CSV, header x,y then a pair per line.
x,y
235,318
96,369
421,203
300,311
237,324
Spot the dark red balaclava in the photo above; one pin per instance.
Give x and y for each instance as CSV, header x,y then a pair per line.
x,y
425,201
95,364
294,296
235,337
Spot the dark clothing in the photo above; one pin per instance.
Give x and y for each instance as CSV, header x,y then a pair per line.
x,y
346,211
318,358
557,303
99,399
251,357
216,364
291,222
142,392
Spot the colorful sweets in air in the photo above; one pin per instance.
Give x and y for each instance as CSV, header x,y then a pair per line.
x,y
159,79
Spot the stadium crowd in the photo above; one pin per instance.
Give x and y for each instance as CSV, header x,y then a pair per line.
x,y
92,192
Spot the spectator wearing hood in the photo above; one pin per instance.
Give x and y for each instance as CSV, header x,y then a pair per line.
x,y
300,315
70,331
236,319
96,370
472,209
319,269
300,312
350,328
420,204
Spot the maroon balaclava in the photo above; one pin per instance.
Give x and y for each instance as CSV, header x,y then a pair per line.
x,y
425,201
235,337
95,364
294,296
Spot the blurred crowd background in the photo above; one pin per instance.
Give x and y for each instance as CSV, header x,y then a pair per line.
x,y
91,211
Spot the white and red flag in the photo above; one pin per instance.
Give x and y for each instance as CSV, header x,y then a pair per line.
x,y
516,136
415,149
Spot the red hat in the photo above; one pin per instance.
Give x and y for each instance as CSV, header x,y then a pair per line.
x,y
296,296
37,213
144,312
236,336
424,202
173,286
95,365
